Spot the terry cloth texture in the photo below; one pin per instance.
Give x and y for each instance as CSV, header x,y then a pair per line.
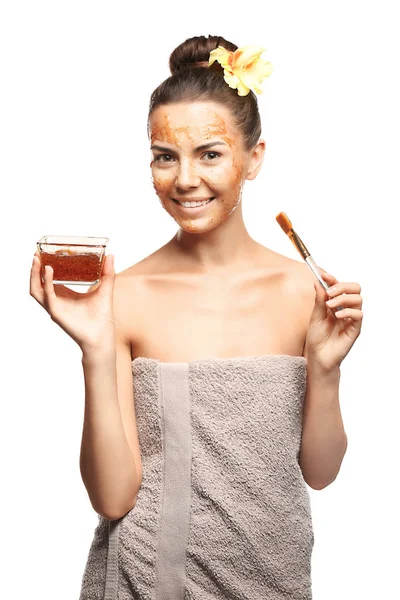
x,y
223,511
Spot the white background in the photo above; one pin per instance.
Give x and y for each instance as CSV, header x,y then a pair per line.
x,y
75,84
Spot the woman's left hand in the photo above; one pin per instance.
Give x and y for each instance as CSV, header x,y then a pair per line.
x,y
331,335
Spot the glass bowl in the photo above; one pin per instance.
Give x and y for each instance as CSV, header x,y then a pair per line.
x,y
75,260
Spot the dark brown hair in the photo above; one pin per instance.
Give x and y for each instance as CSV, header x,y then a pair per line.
x,y
192,82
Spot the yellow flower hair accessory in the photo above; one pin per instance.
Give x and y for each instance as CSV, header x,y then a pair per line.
x,y
244,70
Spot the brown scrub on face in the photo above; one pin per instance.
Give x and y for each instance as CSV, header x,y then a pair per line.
x,y
215,126
218,128
166,133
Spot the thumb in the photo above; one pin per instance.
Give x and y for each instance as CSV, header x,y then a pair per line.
x,y
108,274
320,308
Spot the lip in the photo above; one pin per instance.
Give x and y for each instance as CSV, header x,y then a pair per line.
x,y
195,209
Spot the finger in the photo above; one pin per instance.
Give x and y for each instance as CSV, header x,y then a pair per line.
x,y
108,273
35,284
48,288
344,287
330,279
109,265
330,282
345,300
320,309
353,313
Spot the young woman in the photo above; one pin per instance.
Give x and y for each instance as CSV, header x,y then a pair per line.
x,y
211,368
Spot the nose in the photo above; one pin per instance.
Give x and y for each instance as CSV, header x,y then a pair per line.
x,y
187,175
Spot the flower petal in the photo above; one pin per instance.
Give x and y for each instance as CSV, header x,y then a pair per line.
x,y
254,74
243,90
246,55
221,55
235,83
231,79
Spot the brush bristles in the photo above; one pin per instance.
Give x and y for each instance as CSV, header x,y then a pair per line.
x,y
284,222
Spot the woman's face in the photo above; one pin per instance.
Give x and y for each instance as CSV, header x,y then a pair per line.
x,y
198,155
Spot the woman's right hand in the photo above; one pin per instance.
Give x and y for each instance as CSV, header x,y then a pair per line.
x,y
87,318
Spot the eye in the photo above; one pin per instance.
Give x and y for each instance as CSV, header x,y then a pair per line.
x,y
160,156
214,155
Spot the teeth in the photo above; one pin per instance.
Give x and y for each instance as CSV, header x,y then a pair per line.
x,y
193,204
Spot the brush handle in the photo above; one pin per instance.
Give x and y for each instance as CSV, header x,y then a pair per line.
x,y
315,269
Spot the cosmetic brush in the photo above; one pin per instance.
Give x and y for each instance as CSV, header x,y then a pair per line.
x,y
287,227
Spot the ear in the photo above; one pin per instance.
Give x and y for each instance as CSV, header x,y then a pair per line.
x,y
256,159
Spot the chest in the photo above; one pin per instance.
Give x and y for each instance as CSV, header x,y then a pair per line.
x,y
187,319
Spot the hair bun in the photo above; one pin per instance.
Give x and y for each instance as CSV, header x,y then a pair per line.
x,y
195,52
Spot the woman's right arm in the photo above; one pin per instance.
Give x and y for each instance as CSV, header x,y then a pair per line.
x,y
110,458
110,461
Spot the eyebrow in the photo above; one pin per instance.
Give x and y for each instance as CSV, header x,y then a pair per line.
x,y
202,147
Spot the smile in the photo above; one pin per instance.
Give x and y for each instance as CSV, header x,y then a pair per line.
x,y
193,205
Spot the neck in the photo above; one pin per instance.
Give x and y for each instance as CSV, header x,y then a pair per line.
x,y
227,247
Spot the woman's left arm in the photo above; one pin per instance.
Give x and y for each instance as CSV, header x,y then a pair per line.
x,y
329,339
324,440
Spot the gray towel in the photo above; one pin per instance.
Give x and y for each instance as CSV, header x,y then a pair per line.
x,y
223,511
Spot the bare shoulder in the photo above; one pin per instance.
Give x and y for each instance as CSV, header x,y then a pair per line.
x,y
299,290
129,288
300,284
131,298
297,284
302,280
298,278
